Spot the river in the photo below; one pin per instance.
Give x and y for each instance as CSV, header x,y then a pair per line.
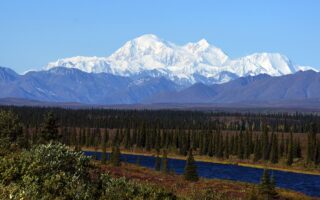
x,y
305,183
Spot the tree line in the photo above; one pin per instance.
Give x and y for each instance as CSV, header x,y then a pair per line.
x,y
166,119
220,135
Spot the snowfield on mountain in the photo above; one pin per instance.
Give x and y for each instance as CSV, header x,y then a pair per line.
x,y
148,55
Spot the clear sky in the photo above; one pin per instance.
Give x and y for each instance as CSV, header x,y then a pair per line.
x,y
35,32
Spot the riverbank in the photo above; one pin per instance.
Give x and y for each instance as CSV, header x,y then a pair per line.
x,y
225,189
219,161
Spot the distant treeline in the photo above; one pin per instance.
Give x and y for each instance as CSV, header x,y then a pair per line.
x,y
258,137
167,119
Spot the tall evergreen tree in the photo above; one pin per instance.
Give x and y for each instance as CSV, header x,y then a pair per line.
x,y
116,138
127,138
158,141
246,145
290,150
190,170
274,150
311,147
257,149
104,147
226,147
317,154
115,156
240,152
282,146
232,145
164,164
265,143
10,131
157,164
49,129
267,186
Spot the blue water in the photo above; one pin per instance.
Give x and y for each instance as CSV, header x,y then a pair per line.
x,y
305,183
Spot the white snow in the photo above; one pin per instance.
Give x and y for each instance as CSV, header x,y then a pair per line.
x,y
305,68
186,62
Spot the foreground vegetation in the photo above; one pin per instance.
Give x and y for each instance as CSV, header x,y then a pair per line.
x,y
52,171
34,164
202,189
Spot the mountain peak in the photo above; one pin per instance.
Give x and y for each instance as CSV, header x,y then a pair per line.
x,y
7,74
146,41
203,42
148,37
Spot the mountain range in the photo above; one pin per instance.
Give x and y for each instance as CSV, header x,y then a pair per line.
x,y
149,70
301,86
150,56
62,84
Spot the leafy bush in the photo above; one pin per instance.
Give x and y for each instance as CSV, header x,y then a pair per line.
x,y
46,172
52,171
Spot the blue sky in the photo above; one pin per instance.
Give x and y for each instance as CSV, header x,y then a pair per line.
x,y
34,32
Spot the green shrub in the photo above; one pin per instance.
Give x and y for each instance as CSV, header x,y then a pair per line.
x,y
52,171
46,172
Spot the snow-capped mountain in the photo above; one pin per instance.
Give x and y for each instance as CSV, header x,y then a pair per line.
x,y
187,64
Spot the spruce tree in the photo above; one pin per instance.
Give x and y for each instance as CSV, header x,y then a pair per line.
x,y
281,149
158,141
96,141
148,140
210,146
116,138
232,145
235,144
311,147
267,186
127,138
274,150
265,143
297,149
157,165
190,170
240,152
10,131
115,156
220,145
290,150
164,162
247,145
257,149
49,129
106,134
104,147
273,192
287,147
317,154
226,147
